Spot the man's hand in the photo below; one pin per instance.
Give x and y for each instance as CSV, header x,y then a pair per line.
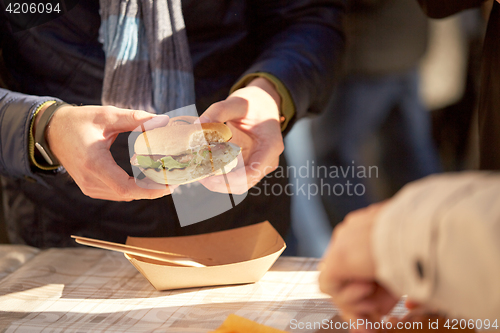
x,y
253,115
348,269
80,138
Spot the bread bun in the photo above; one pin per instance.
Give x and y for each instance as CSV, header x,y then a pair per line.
x,y
174,140
178,152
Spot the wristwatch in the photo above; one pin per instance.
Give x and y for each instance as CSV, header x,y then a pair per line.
x,y
40,128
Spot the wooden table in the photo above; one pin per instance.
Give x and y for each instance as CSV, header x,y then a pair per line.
x,y
91,290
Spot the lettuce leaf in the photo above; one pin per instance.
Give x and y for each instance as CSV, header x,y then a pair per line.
x,y
169,163
147,162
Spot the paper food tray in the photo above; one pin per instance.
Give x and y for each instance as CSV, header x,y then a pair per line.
x,y
241,255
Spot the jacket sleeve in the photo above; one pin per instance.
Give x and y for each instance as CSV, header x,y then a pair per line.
x,y
443,8
300,42
438,242
16,112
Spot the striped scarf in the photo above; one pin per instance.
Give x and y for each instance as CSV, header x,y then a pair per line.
x,y
148,64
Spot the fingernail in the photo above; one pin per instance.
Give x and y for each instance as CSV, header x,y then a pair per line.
x,y
202,120
160,118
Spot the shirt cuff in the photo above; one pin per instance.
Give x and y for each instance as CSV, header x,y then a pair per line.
x,y
287,107
408,230
31,142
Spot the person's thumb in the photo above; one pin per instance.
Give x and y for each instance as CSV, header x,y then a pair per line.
x,y
123,120
230,109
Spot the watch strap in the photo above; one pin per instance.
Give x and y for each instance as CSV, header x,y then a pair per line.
x,y
40,129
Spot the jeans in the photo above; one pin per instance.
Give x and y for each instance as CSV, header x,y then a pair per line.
x,y
386,110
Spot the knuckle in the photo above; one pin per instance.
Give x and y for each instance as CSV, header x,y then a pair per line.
x,y
103,116
109,109
85,191
135,115
253,180
280,147
269,169
88,187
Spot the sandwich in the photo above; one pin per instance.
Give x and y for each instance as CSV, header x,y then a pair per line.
x,y
183,152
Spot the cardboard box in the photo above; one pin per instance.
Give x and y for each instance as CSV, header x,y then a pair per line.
x,y
241,255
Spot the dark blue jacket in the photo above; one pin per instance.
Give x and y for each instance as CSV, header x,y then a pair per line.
x,y
297,41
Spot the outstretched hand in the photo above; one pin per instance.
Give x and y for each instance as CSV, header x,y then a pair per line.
x,y
252,113
81,136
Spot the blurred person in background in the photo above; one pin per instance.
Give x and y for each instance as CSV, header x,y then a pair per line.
x,y
259,66
454,118
378,97
437,239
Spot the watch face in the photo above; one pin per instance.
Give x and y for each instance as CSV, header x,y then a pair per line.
x,y
44,153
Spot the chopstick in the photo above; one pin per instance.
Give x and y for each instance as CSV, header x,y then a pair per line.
x,y
173,258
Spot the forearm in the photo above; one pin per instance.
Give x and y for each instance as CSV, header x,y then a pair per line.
x,y
301,63
16,112
437,241
302,50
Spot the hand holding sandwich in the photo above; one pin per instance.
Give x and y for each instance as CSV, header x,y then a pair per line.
x,y
252,114
80,138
